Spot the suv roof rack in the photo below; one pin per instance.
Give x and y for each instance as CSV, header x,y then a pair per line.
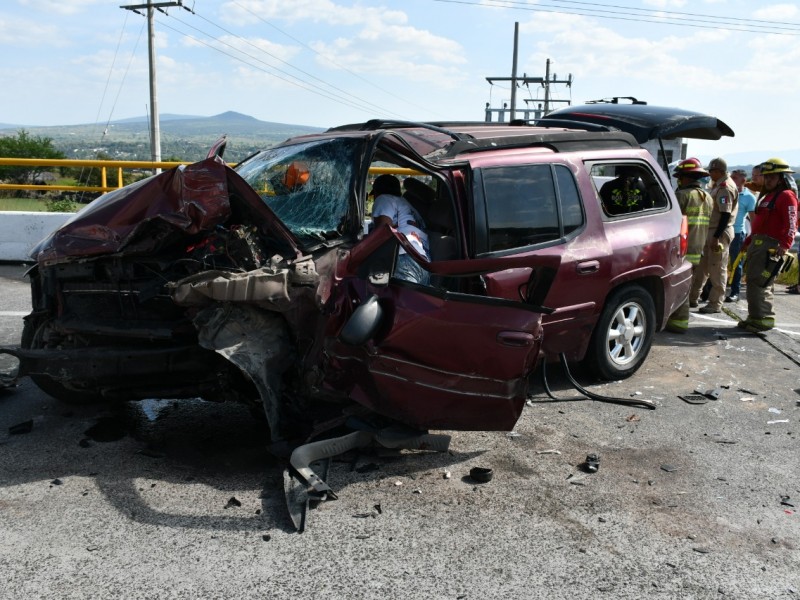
x,y
374,124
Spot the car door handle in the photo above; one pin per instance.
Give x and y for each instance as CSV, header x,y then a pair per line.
x,y
515,338
589,266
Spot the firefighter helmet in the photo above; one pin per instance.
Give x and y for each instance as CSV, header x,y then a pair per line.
x,y
775,165
690,167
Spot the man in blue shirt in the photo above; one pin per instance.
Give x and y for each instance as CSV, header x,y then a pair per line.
x,y
747,204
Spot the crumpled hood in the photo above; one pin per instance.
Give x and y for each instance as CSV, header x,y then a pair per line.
x,y
138,217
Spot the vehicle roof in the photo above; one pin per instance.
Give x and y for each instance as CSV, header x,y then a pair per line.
x,y
446,140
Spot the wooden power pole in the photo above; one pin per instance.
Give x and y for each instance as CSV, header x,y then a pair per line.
x,y
155,129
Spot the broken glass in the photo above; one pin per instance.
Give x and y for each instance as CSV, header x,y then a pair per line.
x,y
307,185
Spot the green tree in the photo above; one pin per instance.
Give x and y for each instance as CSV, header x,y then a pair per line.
x,y
24,145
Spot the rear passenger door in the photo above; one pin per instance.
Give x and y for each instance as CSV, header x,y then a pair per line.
x,y
536,210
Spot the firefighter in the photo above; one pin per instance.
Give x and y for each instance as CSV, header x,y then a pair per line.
x,y
714,263
773,229
696,204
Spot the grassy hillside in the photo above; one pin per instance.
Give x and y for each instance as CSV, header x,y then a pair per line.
x,y
184,137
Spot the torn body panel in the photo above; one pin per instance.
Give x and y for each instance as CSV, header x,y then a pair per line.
x,y
257,342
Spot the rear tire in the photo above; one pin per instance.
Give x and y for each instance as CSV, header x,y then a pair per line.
x,y
624,333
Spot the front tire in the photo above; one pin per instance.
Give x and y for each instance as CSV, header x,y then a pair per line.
x,y
624,333
33,332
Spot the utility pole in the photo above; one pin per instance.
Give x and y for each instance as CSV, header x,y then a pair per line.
x,y
513,113
155,129
545,82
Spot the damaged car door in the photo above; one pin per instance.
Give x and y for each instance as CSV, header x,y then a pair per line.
x,y
431,358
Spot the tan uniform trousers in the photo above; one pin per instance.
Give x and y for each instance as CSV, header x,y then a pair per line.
x,y
759,298
714,266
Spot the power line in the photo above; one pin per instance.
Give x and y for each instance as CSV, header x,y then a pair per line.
x,y
658,12
597,13
336,64
290,79
288,64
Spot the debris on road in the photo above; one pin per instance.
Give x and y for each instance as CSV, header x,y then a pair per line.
x,y
481,474
592,463
694,398
20,428
232,501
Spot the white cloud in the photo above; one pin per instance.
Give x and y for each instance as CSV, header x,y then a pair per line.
x,y
25,32
666,4
777,12
61,7
590,51
317,11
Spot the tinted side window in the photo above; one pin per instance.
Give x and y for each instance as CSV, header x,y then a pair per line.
x,y
626,188
521,206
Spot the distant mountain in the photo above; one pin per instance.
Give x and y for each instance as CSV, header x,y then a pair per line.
x,y
185,137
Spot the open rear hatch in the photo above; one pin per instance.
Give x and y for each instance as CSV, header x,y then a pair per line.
x,y
642,121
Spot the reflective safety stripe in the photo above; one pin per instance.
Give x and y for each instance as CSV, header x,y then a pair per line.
x,y
679,323
765,323
694,258
698,220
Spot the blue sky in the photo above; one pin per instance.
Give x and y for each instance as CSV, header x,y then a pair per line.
x,y
329,62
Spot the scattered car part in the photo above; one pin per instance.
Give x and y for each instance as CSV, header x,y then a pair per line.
x,y
591,464
20,428
712,394
304,488
694,398
481,474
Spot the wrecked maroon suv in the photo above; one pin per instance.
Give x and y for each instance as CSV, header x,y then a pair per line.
x,y
262,283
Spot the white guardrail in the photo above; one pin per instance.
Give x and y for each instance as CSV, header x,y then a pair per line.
x,y
21,231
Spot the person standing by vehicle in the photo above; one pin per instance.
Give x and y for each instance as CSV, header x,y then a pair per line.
x,y
774,227
696,204
756,183
394,210
746,205
714,263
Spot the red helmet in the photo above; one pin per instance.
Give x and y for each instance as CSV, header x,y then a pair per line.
x,y
690,167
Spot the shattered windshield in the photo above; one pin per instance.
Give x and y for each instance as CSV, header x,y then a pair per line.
x,y
306,185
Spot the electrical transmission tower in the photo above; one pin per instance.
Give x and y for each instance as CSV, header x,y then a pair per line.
x,y
545,82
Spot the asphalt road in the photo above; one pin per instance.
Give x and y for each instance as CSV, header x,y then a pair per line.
x,y
183,501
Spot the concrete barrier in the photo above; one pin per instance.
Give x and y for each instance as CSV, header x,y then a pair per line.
x,y
21,231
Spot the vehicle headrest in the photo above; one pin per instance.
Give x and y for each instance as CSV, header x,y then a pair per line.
x,y
424,192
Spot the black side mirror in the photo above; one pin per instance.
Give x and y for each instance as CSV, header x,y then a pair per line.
x,y
363,323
